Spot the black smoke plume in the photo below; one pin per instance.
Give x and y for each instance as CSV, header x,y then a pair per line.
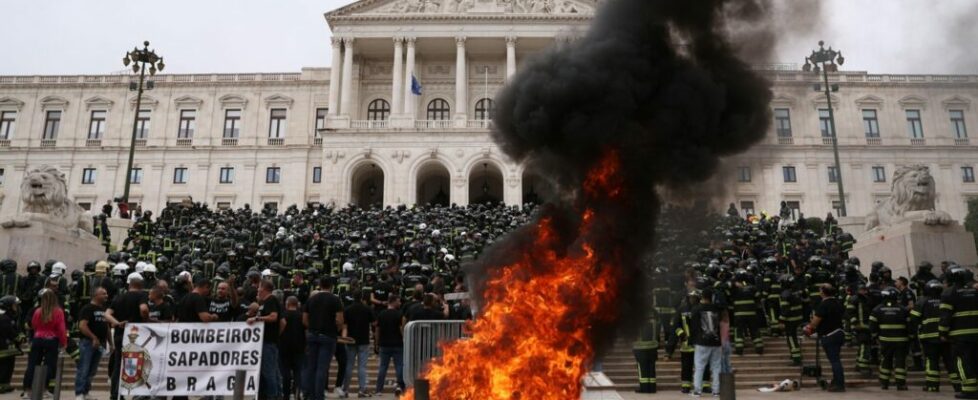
x,y
657,82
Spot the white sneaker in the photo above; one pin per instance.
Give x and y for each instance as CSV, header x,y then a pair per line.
x,y
79,397
340,394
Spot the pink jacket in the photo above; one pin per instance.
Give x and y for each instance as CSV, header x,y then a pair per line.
x,y
55,328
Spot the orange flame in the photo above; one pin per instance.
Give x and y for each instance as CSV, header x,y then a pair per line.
x,y
532,340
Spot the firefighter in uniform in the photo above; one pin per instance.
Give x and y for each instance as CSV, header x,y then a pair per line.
x,y
665,309
925,321
10,281
745,313
9,338
772,295
646,350
858,312
888,323
959,325
791,317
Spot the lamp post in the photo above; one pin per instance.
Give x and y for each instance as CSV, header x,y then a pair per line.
x,y
823,60
139,60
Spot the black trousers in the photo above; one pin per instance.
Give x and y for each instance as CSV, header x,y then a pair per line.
x,y
966,359
6,371
646,369
794,346
341,360
893,363
936,352
670,333
747,325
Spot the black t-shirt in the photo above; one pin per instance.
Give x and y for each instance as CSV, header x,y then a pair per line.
x,y
126,308
223,309
382,291
389,323
162,312
358,318
191,306
830,310
426,314
267,307
294,337
95,315
322,308
705,323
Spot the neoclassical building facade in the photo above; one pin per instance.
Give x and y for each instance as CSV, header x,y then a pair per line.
x,y
403,117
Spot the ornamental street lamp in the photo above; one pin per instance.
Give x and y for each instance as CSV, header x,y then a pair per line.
x,y
141,60
824,60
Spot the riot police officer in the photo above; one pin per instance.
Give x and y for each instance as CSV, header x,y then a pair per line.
x,y
888,323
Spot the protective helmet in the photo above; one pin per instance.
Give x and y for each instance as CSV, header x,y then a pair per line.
x,y
90,266
120,269
741,275
876,266
347,267
101,267
223,270
134,277
449,258
925,266
149,269
885,271
266,273
933,289
140,267
958,275
787,280
8,265
59,268
854,260
33,265
889,295
8,302
76,275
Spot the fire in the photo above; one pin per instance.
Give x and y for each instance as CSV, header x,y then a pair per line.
x,y
532,338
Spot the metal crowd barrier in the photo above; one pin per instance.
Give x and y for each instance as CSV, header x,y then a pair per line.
x,y
421,339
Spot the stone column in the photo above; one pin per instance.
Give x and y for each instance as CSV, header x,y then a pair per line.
x,y
397,80
408,74
345,91
334,77
461,83
510,56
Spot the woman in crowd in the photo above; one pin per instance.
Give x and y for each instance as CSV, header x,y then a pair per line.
x,y
50,335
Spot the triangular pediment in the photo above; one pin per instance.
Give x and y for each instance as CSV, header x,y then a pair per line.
x,y
54,101
401,7
98,102
188,101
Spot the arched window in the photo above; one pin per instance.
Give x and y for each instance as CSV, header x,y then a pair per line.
x,y
378,110
438,110
485,109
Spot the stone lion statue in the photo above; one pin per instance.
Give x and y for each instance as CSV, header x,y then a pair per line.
x,y
912,199
45,197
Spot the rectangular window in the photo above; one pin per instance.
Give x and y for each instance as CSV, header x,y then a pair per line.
x,y
85,206
879,174
273,175
96,127
871,124
180,175
136,177
825,122
914,125
88,176
321,119
276,124
795,207
51,124
833,174
782,122
8,121
142,124
317,174
188,123
789,174
837,206
743,174
224,205
232,123
957,124
227,175
747,207
968,174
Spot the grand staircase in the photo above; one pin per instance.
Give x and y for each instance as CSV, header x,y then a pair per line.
x,y
752,370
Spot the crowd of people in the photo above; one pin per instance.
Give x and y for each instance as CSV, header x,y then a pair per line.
x,y
329,284
760,276
335,285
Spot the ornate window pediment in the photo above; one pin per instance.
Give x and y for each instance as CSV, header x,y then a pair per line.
x,y
11,103
913,101
782,101
277,100
233,101
98,102
819,101
148,102
54,102
188,102
869,101
957,102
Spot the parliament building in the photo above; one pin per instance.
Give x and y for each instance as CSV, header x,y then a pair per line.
x,y
358,132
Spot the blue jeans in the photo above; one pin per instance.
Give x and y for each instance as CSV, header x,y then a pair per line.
x,y
707,355
41,349
386,355
319,353
727,366
360,352
833,347
271,376
88,358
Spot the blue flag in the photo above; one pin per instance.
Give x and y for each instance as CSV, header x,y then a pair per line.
x,y
415,85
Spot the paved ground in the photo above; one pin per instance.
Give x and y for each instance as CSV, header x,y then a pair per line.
x,y
805,394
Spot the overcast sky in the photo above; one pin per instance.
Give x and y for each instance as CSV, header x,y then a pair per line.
x,y
91,36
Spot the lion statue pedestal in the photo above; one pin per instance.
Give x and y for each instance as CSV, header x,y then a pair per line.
x,y
49,226
907,229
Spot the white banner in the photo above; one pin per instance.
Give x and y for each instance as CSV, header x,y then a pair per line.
x,y
189,359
